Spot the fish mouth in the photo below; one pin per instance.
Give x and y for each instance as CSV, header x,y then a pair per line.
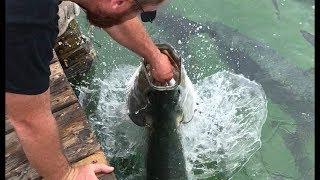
x,y
175,61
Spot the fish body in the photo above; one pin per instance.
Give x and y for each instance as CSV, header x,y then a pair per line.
x,y
161,110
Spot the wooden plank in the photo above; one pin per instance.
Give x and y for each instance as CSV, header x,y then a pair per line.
x,y
77,69
58,80
62,94
23,172
69,41
72,52
73,49
63,99
97,157
14,155
55,69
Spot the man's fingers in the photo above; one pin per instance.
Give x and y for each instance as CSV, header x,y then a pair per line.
x,y
102,168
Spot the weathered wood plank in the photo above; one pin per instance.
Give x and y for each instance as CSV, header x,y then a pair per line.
x,y
77,68
76,55
62,94
56,69
63,99
68,119
58,80
73,48
23,172
14,155
97,157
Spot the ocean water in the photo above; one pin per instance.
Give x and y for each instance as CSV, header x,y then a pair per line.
x,y
257,45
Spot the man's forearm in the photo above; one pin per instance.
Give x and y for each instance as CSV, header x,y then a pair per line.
x,y
40,142
133,36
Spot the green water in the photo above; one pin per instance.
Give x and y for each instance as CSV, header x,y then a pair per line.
x,y
287,150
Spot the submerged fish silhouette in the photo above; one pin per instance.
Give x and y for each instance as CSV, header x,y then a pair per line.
x,y
309,37
275,5
283,82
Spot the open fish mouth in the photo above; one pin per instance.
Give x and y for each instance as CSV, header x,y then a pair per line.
x,y
144,94
175,60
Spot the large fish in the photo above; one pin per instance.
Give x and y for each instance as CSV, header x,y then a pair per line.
x,y
160,110
283,83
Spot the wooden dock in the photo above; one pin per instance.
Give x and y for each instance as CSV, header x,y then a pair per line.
x,y
79,142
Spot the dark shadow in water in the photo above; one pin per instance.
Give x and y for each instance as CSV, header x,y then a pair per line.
x,y
292,88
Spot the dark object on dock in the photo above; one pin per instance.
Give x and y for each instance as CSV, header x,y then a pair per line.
x,y
74,50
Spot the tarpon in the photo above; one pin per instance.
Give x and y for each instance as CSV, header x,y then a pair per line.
x,y
161,110
283,82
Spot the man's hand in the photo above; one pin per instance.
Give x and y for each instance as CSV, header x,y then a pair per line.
x,y
132,35
161,68
88,172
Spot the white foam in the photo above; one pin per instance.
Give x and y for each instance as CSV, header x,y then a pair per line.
x,y
226,128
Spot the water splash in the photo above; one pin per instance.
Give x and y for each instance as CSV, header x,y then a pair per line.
x,y
226,128
122,141
223,134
